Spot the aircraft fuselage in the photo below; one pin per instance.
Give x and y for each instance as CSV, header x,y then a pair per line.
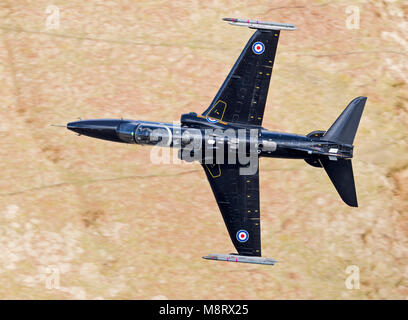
x,y
199,133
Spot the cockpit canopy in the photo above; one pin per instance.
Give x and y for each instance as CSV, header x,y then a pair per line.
x,y
153,134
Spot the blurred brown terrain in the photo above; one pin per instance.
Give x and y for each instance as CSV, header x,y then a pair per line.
x,y
114,225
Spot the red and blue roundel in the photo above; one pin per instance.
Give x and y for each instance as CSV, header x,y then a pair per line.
x,y
258,47
242,236
211,120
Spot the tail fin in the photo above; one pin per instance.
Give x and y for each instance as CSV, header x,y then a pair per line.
x,y
340,173
344,129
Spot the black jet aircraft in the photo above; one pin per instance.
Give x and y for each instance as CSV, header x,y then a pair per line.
x,y
238,108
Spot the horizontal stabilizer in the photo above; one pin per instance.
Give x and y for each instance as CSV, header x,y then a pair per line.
x,y
340,173
345,127
242,259
255,24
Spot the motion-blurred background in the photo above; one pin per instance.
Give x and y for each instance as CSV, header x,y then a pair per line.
x,y
82,218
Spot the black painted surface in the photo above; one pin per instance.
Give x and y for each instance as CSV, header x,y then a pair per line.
x,y
245,89
238,200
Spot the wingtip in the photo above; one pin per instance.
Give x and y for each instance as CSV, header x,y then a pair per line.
x,y
350,202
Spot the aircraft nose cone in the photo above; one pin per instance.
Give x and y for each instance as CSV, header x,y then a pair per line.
x,y
99,128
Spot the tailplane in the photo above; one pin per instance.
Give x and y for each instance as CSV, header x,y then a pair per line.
x,y
340,173
344,129
342,132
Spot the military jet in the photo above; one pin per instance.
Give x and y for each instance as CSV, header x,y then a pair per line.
x,y
232,125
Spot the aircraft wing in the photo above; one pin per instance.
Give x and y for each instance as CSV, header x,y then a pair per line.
x,y
238,199
242,97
